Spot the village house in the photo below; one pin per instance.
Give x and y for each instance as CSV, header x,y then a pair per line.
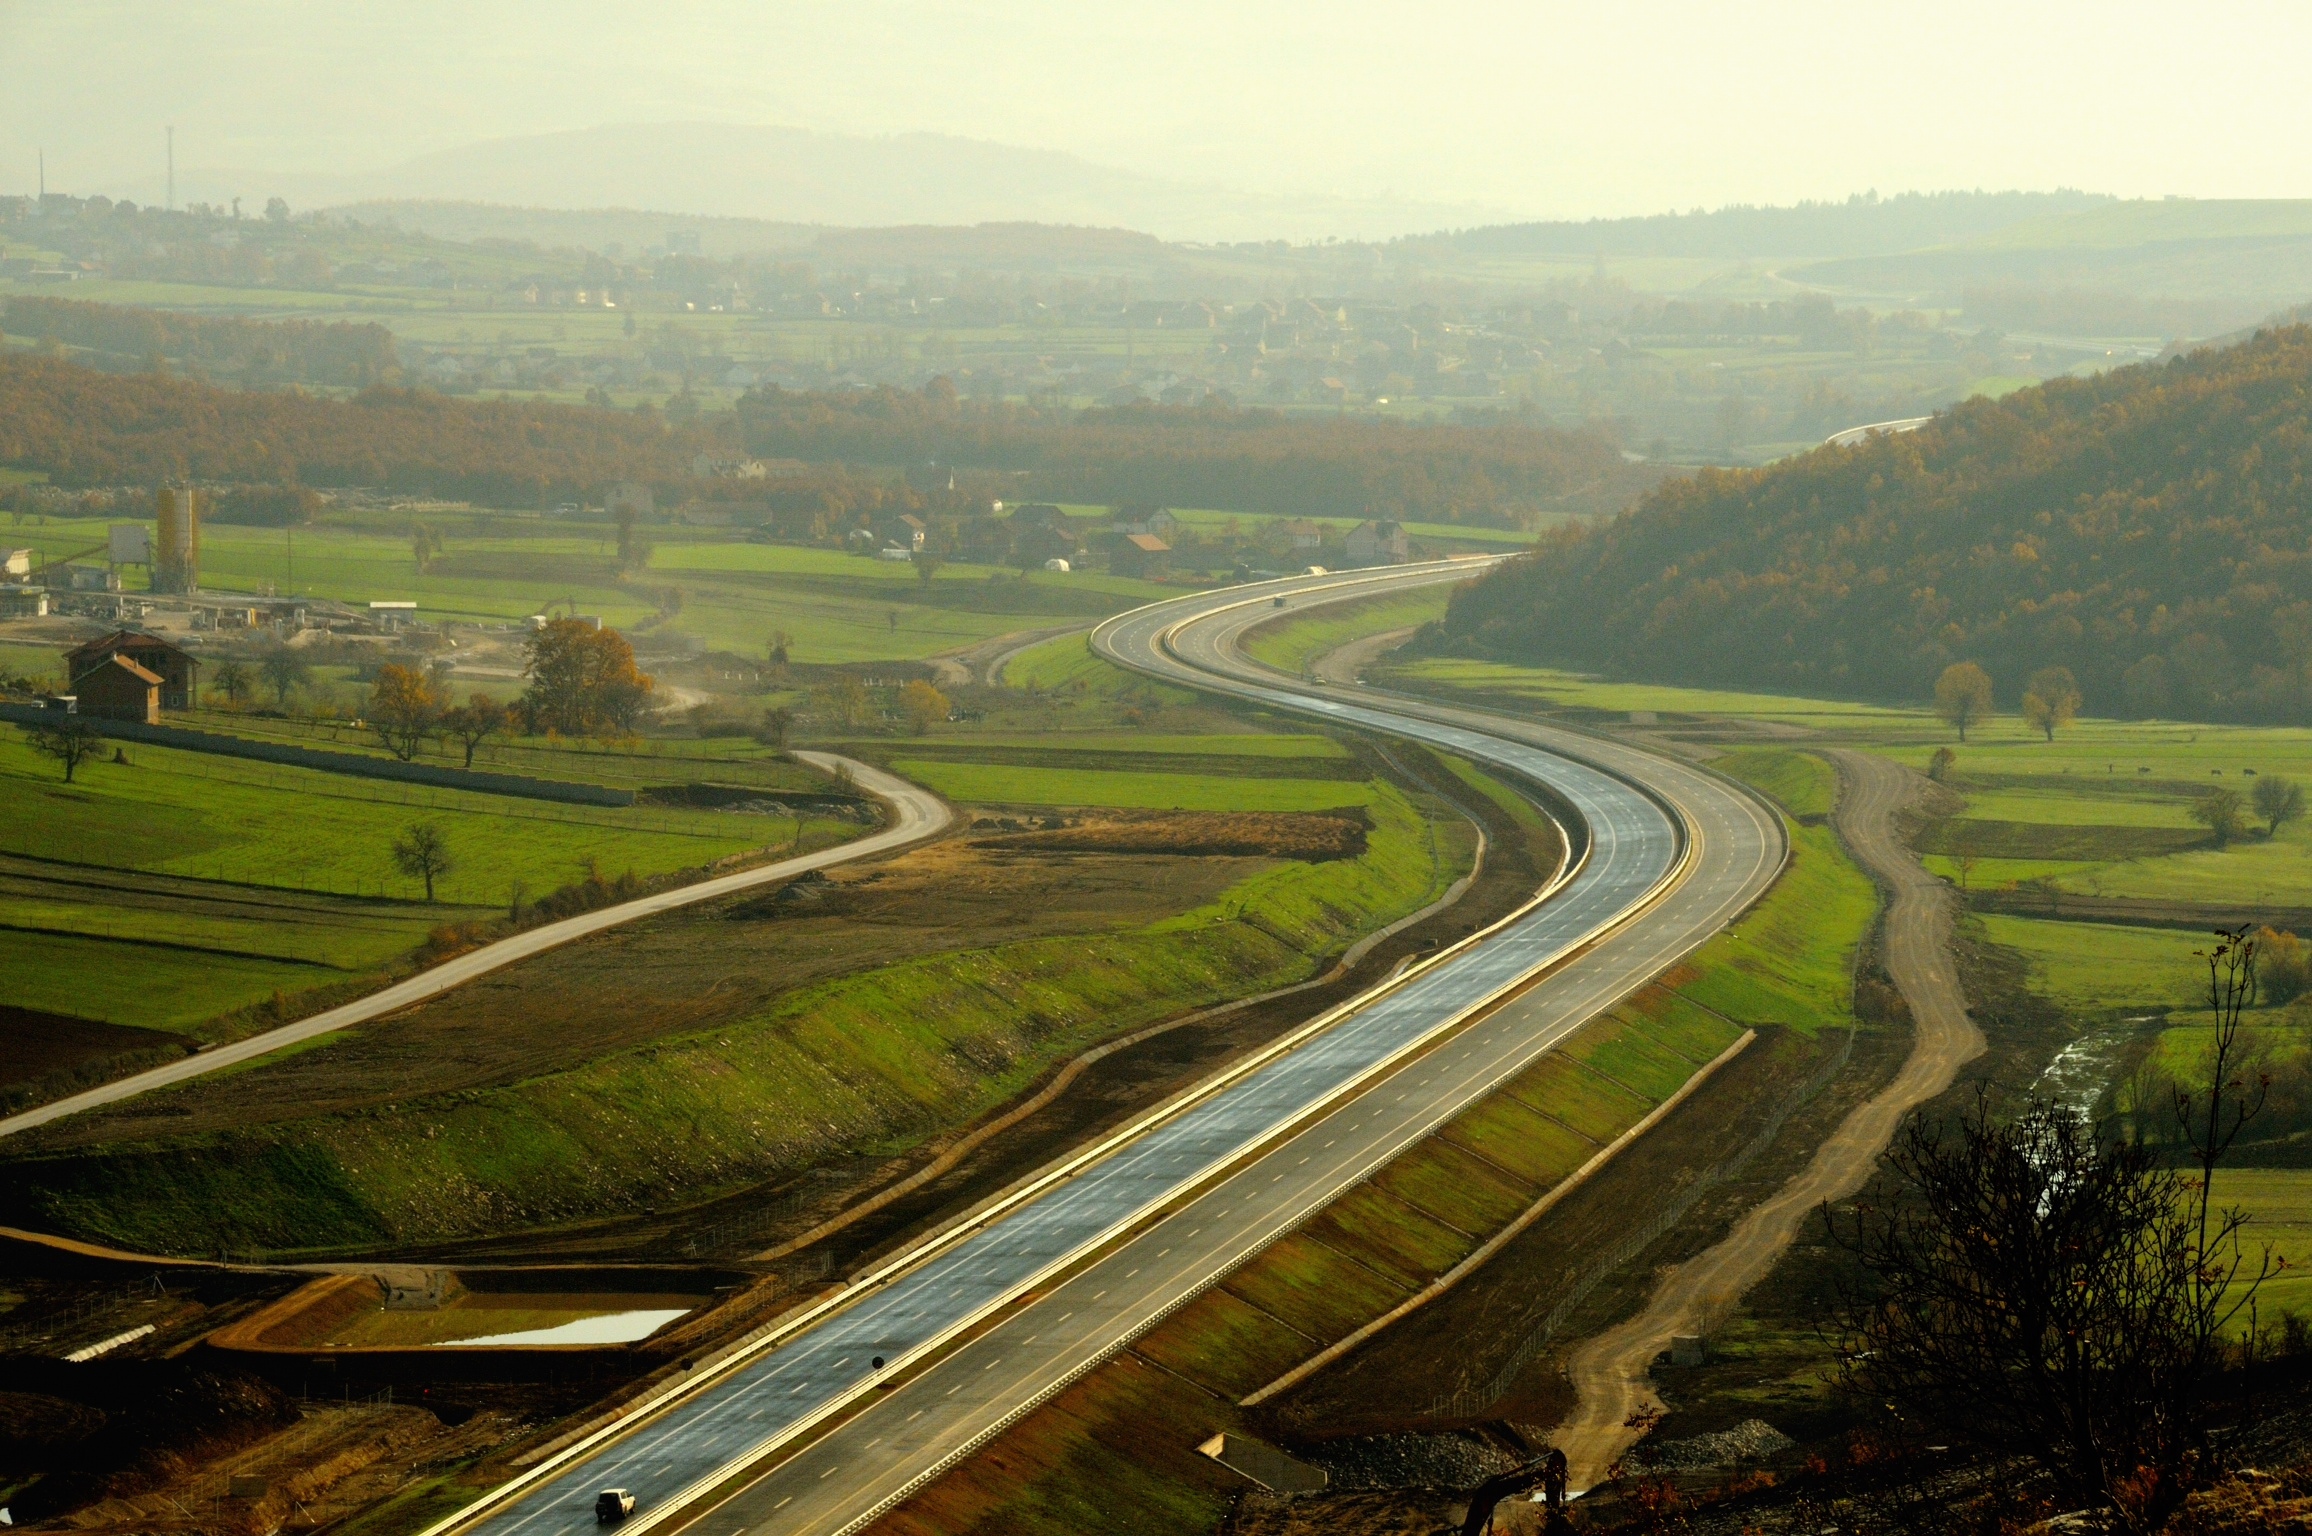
x,y
1379,543
174,671
1141,554
116,688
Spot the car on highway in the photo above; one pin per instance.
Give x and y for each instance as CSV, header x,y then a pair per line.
x,y
613,1505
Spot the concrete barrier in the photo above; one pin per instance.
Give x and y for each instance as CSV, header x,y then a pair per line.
x,y
324,761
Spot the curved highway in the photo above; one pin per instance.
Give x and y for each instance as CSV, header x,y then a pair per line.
x,y
1108,1243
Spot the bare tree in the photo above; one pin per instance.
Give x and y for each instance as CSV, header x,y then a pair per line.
x,y
423,853
233,681
70,742
474,722
2278,800
284,671
2044,1290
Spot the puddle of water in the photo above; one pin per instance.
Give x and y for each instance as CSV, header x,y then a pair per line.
x,y
610,1328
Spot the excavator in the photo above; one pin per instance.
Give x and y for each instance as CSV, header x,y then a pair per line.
x,y
1545,1471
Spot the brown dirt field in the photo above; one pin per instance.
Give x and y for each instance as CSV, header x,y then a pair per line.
x,y
1261,834
34,1044
678,974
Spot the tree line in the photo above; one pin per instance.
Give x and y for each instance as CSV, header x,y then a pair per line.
x,y
248,351
1497,473
2143,530
89,428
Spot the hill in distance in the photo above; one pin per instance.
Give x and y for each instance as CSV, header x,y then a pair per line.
x,y
794,176
1864,224
2146,528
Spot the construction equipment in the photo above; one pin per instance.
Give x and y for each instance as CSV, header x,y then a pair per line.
x,y
1546,1472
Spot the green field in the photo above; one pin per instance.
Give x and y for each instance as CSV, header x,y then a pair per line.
x,y
500,568
178,886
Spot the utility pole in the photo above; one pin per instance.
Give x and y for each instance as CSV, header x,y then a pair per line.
x,y
172,200
44,173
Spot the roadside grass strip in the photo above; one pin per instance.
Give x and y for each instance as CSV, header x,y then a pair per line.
x,y
1003,784
1290,642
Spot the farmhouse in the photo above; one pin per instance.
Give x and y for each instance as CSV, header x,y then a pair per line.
x,y
175,671
118,689
1379,543
1141,554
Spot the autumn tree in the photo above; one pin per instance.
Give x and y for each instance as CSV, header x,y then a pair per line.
x,y
68,742
923,705
2223,813
474,722
2278,800
2051,700
405,707
1963,696
583,680
844,700
777,721
775,648
423,853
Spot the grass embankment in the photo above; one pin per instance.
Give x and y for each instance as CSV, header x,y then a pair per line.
x,y
178,886
1132,1423
870,1062
1292,640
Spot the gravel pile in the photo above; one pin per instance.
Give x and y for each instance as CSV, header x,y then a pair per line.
x,y
1410,1461
1750,1440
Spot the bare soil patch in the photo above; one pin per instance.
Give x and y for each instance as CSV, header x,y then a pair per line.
x,y
34,1044
1243,834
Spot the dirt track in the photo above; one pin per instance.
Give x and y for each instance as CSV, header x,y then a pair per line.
x,y
1610,1374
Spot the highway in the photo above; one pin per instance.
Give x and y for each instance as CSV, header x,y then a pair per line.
x,y
1181,1203
916,815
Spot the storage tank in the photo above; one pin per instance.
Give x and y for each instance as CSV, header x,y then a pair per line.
x,y
177,552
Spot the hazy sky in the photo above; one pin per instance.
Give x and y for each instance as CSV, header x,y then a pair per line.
x,y
1535,109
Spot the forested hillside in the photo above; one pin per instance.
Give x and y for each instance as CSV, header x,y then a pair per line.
x,y
90,428
2149,529
1502,473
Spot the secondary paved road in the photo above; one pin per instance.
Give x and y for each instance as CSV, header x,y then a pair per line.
x,y
1611,1374
1357,1074
917,814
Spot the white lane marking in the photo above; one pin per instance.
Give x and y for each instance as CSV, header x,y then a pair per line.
x,y
830,1472
917,1414
783,1503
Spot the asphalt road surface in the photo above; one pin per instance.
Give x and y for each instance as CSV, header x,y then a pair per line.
x,y
1237,1169
917,814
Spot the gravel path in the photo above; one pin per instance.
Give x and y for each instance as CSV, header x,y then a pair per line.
x,y
1611,1373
